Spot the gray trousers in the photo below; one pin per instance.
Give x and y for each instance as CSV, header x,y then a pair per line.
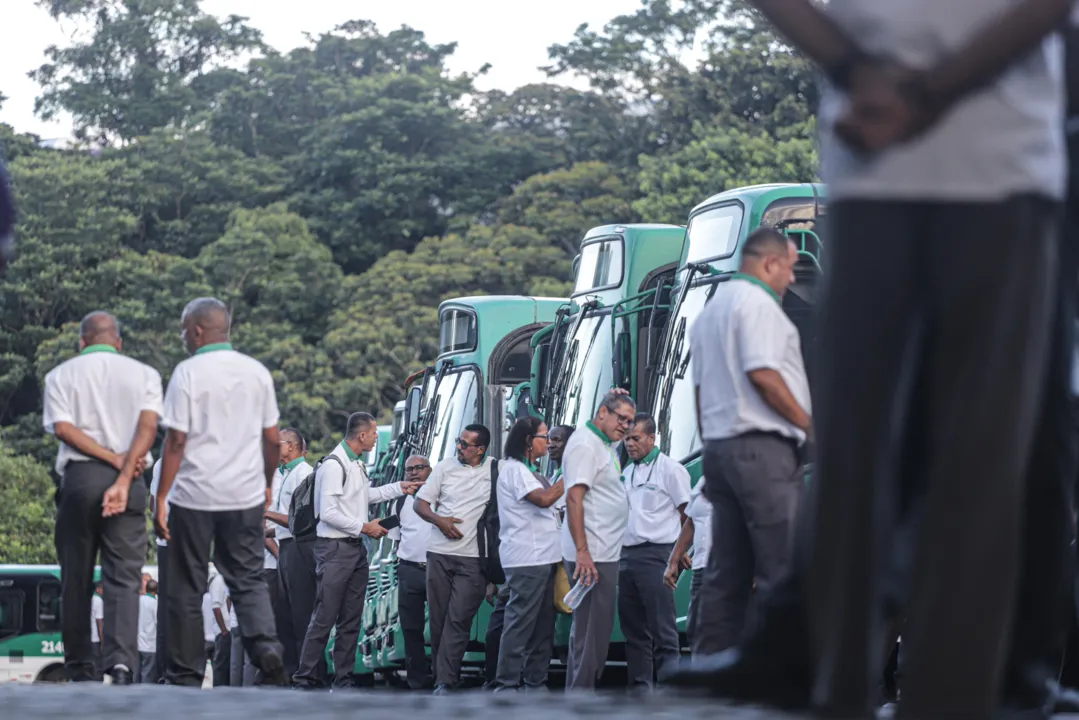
x,y
242,670
755,483
411,600
524,653
161,657
237,540
297,585
342,570
81,532
147,668
493,637
593,623
221,662
455,590
646,612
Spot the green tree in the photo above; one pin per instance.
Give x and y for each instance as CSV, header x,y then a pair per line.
x,y
27,510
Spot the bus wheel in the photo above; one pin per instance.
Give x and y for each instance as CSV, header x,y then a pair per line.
x,y
52,674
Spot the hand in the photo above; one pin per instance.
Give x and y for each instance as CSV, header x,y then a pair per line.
x,y
670,578
118,460
448,526
882,113
411,487
492,590
373,530
161,520
140,466
685,562
115,500
615,390
585,571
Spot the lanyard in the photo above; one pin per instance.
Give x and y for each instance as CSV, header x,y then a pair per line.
x,y
647,478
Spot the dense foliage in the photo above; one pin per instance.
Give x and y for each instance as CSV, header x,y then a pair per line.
x,y
335,193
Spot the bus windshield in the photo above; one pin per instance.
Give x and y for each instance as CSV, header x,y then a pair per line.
x,y
713,233
455,399
676,416
601,265
588,372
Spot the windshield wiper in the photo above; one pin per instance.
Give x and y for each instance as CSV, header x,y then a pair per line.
x,y
664,414
576,392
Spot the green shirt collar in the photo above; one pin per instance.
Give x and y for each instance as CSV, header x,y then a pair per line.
x,y
532,466
348,451
649,458
599,433
288,466
759,283
98,348
213,346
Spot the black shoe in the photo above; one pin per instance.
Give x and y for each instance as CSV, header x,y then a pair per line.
x,y
745,677
272,667
121,676
441,690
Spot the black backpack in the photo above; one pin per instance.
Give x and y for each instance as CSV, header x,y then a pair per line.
x,y
487,535
302,519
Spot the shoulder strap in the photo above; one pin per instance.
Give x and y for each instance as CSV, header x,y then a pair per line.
x,y
338,461
494,479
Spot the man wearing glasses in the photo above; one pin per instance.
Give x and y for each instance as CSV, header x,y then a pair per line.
x,y
296,581
753,416
597,507
659,491
412,576
453,500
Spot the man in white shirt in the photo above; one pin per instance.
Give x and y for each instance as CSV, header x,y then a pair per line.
x,y
103,407
97,620
696,533
412,577
148,634
453,500
295,557
161,656
659,490
597,509
343,493
753,413
215,629
221,451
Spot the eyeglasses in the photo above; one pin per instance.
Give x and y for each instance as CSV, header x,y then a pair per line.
x,y
461,442
417,468
624,420
540,437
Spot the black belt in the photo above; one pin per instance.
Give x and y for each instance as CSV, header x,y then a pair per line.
x,y
352,540
412,563
282,541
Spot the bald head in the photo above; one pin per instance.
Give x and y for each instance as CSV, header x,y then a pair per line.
x,y
99,328
417,469
205,321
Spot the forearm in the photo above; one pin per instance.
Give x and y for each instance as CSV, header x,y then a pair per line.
x,y
279,518
684,542
171,456
423,510
993,49
383,493
333,516
271,456
145,434
575,518
545,498
220,617
777,395
810,30
271,545
75,438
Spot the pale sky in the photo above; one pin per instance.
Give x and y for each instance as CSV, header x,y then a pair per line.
x,y
512,37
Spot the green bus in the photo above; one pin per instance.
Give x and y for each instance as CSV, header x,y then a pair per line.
x,y
485,353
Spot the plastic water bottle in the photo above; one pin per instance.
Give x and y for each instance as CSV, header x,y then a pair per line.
x,y
576,595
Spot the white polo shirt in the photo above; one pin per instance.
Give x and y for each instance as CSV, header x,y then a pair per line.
x,y
223,400
700,512
459,491
657,486
232,621
154,485
528,534
269,562
102,393
589,460
342,497
292,474
147,623
97,612
415,533
215,597
743,328
1004,140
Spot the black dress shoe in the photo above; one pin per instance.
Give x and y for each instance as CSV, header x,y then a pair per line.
x,y
272,667
745,677
441,690
121,676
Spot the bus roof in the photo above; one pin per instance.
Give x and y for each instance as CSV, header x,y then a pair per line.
x,y
645,249
627,228
768,192
500,303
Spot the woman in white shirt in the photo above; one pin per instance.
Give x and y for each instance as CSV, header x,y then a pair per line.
x,y
697,531
530,550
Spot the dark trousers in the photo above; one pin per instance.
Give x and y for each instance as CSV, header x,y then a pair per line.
x,y
411,602
342,569
147,674
455,590
646,612
297,584
81,532
940,312
222,660
492,639
237,540
161,657
527,642
590,633
755,484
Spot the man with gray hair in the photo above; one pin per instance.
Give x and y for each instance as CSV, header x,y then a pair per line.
x,y
343,493
221,452
597,510
103,408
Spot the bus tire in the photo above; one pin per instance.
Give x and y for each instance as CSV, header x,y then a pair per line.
x,y
52,674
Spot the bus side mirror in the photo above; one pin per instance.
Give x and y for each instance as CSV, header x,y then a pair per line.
x,y
623,361
412,407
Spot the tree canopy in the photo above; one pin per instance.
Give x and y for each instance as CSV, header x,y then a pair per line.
x,y
333,194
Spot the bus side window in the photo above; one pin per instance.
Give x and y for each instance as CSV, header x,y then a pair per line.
x,y
48,607
11,604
